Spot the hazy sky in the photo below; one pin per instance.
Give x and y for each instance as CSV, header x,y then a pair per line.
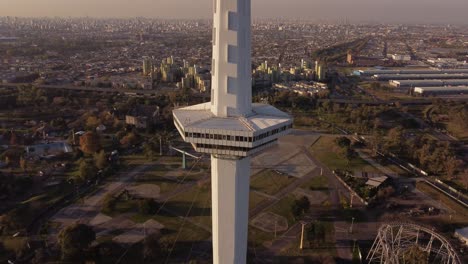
x,y
430,11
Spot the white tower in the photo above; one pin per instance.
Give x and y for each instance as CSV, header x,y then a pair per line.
x,y
231,128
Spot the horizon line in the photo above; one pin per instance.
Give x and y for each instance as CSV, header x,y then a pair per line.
x,y
301,19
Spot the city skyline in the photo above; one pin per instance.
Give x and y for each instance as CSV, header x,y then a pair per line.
x,y
399,11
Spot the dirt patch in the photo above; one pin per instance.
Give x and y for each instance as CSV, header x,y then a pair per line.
x,y
151,191
297,166
315,197
100,219
139,232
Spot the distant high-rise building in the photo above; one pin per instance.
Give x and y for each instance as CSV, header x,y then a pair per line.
x,y
147,66
321,72
349,57
305,64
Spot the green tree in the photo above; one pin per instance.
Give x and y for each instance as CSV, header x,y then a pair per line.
x,y
30,95
395,140
452,164
109,204
343,142
152,248
107,252
87,170
375,142
74,240
101,160
348,153
15,220
414,255
40,256
300,207
92,122
150,150
147,206
316,232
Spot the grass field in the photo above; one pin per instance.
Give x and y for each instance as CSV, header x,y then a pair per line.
x,y
325,151
461,212
270,182
283,208
255,199
200,212
178,234
313,252
14,244
258,238
134,160
318,183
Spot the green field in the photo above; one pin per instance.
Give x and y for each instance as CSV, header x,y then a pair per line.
x,y
258,238
197,200
461,212
283,208
325,151
255,199
270,182
318,183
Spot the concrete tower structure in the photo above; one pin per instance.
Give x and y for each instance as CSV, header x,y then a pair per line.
x,y
231,129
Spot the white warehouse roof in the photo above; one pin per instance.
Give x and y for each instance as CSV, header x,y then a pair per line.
x,y
441,89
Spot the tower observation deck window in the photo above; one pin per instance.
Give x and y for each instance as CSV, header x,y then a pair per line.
x,y
233,21
233,54
231,85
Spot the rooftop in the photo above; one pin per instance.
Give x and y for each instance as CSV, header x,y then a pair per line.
x,y
200,117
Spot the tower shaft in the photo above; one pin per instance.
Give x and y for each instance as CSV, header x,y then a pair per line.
x,y
230,208
231,66
231,129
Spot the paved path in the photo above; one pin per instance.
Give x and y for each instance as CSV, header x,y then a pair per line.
x,y
342,240
91,206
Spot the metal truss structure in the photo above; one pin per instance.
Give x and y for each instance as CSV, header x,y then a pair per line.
x,y
393,240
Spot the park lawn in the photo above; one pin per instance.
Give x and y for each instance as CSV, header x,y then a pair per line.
x,y
189,231
134,160
73,171
324,151
201,209
255,199
14,244
177,234
122,207
396,169
154,177
318,183
258,238
461,212
283,208
270,182
326,249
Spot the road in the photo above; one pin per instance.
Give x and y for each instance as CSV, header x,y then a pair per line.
x,y
129,92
